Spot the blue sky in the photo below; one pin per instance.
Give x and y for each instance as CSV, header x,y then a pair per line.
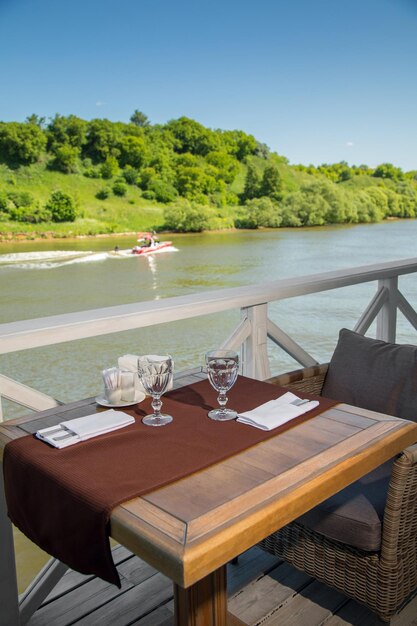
x,y
318,82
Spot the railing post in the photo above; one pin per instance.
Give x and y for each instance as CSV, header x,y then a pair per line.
x,y
386,321
9,599
255,362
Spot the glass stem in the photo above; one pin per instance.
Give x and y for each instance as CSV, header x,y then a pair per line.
x,y
156,405
222,400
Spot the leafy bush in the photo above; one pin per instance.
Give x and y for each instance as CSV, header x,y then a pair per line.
x,y
31,214
21,206
163,192
187,218
5,203
130,174
103,193
92,172
260,213
109,168
21,198
119,188
61,207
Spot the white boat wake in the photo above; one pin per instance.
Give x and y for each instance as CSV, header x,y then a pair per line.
x,y
59,258
48,258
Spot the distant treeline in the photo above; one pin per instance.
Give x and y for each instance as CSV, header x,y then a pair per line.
x,y
196,172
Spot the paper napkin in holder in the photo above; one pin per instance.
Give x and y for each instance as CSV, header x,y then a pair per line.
x,y
129,362
277,412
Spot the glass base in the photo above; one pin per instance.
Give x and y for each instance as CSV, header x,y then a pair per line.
x,y
157,420
222,415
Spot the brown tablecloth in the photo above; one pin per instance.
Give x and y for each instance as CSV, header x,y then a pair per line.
x,y
62,499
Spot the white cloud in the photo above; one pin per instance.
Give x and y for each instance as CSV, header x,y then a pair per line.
x,y
350,144
99,103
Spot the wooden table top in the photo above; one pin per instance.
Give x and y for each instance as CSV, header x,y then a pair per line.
x,y
192,527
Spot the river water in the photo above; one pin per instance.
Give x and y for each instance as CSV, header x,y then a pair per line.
x,y
51,277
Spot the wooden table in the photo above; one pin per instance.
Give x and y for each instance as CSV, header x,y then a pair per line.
x,y
190,529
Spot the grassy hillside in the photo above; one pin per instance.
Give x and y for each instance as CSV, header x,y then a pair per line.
x,y
114,214
74,177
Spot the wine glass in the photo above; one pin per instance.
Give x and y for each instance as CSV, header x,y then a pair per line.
x,y
222,371
155,373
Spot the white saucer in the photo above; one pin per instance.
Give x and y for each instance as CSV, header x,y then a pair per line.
x,y
101,400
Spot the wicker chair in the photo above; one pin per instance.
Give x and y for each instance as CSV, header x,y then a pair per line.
x,y
381,580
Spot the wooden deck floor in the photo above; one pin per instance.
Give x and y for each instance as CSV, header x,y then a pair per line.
x,y
262,590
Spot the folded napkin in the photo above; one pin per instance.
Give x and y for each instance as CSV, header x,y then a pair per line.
x,y
277,412
82,428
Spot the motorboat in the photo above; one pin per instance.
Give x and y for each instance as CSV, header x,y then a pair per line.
x,y
147,244
153,247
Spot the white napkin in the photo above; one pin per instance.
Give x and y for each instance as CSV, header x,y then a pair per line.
x,y
277,412
82,428
129,363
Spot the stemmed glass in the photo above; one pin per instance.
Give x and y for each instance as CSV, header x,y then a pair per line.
x,y
222,371
155,373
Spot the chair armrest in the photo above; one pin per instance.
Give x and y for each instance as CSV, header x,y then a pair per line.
x,y
308,379
400,515
411,453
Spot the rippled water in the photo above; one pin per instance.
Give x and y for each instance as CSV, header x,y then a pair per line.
x,y
47,278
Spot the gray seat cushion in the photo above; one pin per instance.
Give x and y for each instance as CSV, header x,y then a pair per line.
x,y
373,374
354,515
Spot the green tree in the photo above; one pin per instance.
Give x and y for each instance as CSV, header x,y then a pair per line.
x,y
192,137
62,207
388,170
186,217
271,184
407,199
36,119
253,182
102,139
260,213
109,168
21,144
163,191
65,158
139,119
70,130
226,165
239,144
133,151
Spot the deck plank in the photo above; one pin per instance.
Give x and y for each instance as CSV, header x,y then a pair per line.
x,y
311,607
260,599
262,590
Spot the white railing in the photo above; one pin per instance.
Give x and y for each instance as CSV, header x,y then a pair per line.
x,y
251,334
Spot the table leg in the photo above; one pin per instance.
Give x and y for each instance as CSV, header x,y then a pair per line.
x,y
9,599
204,603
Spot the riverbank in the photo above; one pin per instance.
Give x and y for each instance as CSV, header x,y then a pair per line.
x,y
50,235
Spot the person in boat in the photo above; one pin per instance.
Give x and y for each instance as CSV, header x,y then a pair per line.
x,y
146,240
